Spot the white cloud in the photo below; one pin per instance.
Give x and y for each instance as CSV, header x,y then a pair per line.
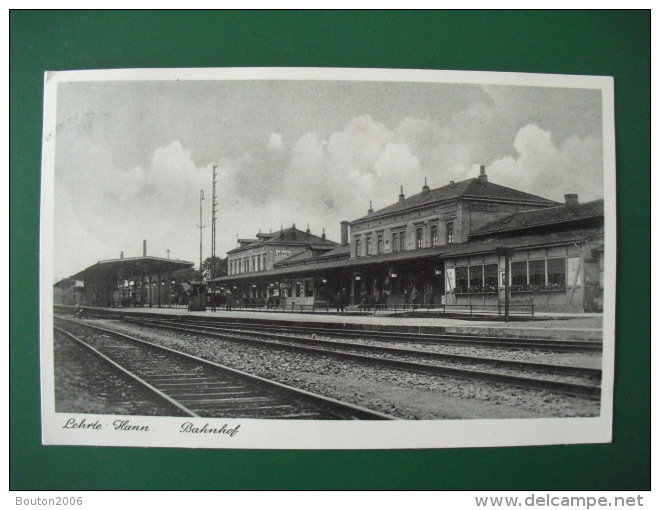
x,y
275,142
315,179
542,168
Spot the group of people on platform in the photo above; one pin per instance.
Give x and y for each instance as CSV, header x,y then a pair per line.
x,y
375,301
368,301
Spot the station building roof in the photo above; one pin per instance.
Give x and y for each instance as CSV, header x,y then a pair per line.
x,y
476,247
289,236
116,269
470,188
539,218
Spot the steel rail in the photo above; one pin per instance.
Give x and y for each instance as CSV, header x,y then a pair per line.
x,y
345,408
573,389
128,373
491,341
457,358
385,335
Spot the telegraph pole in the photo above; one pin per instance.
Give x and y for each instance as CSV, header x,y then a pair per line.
x,y
214,209
214,206
200,227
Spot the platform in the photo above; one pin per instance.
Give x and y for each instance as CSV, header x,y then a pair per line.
x,y
566,326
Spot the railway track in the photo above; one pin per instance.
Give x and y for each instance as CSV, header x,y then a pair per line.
x,y
198,387
393,336
536,379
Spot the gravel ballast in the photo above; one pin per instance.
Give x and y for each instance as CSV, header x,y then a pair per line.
x,y
403,394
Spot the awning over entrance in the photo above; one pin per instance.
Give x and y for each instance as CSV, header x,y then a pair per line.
x,y
116,269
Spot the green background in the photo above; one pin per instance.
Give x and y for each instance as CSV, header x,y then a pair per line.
x,y
614,43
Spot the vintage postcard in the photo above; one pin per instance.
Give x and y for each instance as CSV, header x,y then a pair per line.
x,y
327,258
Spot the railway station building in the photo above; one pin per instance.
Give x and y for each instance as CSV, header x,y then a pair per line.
x,y
251,265
450,245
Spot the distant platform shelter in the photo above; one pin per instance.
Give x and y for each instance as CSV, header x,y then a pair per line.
x,y
135,281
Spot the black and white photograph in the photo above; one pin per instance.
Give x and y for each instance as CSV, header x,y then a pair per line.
x,y
313,258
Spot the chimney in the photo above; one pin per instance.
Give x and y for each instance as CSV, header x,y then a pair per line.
x,y
293,226
371,209
425,189
121,255
482,173
144,247
344,233
451,183
323,234
402,197
308,231
571,199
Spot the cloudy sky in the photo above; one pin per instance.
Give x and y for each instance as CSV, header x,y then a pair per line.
x,y
132,156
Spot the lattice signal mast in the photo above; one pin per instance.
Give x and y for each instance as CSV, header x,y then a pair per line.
x,y
214,210
200,227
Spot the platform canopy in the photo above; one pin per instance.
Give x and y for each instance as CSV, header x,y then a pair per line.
x,y
127,268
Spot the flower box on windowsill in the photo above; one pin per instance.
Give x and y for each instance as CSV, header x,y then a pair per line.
x,y
537,288
475,291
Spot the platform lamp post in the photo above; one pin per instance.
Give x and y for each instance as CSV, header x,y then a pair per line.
x,y
506,253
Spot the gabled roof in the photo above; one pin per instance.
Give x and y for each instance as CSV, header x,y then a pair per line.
x,y
543,217
470,188
338,252
308,256
295,258
290,236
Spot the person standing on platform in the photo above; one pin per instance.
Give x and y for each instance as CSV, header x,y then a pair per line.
x,y
339,301
415,297
228,297
372,300
382,299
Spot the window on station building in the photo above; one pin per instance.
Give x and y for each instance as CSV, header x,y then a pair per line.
x,y
264,261
536,271
358,247
519,274
395,241
450,232
419,240
462,279
368,243
434,235
259,263
539,274
490,277
380,243
402,241
557,273
476,278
